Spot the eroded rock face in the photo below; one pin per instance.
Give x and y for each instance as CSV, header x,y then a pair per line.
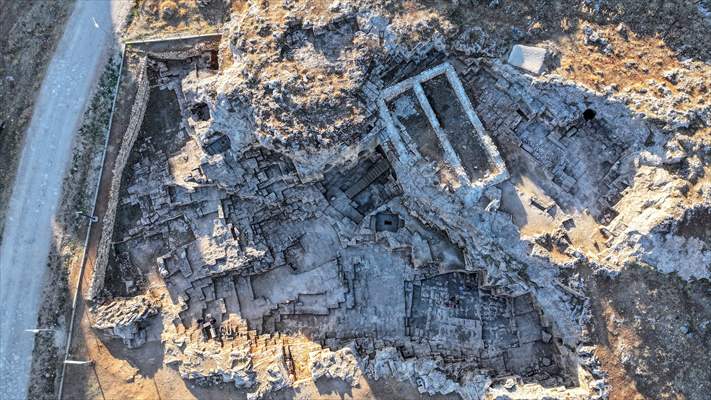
x,y
681,245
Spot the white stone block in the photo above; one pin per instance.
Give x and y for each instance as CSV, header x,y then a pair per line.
x,y
529,58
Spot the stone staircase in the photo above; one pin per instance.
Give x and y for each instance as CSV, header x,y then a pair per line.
x,y
373,173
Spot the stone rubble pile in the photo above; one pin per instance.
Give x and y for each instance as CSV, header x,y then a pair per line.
x,y
341,364
126,319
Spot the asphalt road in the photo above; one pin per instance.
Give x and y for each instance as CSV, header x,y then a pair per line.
x,y
73,71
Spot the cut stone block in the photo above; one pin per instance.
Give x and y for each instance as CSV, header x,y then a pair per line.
x,y
528,58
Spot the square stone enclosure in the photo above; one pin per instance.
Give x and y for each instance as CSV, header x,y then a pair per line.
x,y
429,115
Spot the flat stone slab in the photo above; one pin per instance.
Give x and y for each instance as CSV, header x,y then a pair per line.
x,y
528,58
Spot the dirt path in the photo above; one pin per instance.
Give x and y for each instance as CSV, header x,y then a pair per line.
x,y
70,77
30,31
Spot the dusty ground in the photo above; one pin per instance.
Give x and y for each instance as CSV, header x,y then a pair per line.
x,y
653,334
645,41
155,18
29,30
652,329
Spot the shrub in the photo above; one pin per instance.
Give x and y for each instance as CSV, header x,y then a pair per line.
x,y
168,9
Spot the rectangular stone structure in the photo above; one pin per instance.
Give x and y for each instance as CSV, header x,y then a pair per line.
x,y
453,142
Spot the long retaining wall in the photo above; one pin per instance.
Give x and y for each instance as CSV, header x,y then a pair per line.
x,y
104,247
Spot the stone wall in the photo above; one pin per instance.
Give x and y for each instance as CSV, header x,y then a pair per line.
x,y
137,111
